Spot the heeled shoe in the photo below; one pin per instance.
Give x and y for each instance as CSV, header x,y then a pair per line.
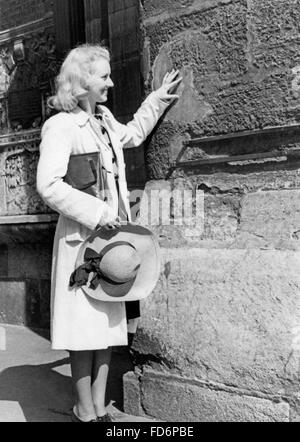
x,y
106,418
75,418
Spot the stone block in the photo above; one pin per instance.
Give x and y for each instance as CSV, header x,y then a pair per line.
x,y
132,396
15,14
234,216
30,261
25,302
273,26
238,73
226,316
195,218
175,401
27,233
155,7
271,219
13,302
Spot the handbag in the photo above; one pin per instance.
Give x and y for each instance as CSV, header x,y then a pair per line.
x,y
85,173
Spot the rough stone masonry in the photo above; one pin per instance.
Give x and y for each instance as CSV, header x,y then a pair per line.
x,y
219,340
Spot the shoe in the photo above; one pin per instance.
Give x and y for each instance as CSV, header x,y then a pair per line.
x,y
106,418
75,418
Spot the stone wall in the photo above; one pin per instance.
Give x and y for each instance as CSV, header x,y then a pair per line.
x,y
18,12
219,338
28,66
26,235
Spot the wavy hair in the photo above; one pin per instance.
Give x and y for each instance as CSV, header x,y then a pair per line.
x,y
71,82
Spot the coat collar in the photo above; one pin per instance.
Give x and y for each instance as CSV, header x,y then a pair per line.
x,y
81,117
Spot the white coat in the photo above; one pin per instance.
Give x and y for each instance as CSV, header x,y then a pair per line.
x,y
77,321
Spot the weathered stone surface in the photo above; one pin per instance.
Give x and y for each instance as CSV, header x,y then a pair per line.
x,y
232,217
271,219
208,21
192,217
228,316
30,261
13,302
235,182
28,233
273,171
16,12
255,142
155,7
175,401
295,407
156,10
157,153
25,302
132,396
273,27
238,73
191,106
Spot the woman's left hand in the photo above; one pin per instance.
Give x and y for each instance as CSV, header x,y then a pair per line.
x,y
168,84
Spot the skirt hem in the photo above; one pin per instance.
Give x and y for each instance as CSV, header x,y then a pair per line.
x,y
65,348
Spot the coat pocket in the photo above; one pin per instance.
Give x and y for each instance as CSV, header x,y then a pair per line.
x,y
75,231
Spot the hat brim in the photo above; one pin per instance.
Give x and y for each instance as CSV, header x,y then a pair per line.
x,y
148,273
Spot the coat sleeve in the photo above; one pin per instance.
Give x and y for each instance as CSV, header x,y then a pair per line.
x,y
144,120
55,150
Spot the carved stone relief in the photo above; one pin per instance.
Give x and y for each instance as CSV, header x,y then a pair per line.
x,y
28,67
4,77
17,184
3,116
26,81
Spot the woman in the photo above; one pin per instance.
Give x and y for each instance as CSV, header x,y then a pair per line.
x,y
85,327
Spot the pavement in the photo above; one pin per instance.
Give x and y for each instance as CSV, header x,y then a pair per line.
x,y
35,381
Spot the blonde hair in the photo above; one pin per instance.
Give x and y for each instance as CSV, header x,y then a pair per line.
x,y
71,85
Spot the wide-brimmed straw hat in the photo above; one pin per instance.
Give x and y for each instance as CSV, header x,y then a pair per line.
x,y
118,265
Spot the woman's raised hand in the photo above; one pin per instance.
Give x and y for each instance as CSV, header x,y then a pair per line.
x,y
169,84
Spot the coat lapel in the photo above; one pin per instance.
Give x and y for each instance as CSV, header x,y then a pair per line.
x,y
86,122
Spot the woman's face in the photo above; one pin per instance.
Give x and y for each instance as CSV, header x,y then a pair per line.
x,y
99,81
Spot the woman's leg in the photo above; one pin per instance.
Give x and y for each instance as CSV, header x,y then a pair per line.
x,y
100,374
82,366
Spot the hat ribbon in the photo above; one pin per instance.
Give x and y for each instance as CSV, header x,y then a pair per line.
x,y
92,261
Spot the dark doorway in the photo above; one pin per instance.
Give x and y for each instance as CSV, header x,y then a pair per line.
x,y
69,19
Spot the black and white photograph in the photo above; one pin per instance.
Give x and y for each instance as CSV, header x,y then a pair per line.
x,y
150,213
